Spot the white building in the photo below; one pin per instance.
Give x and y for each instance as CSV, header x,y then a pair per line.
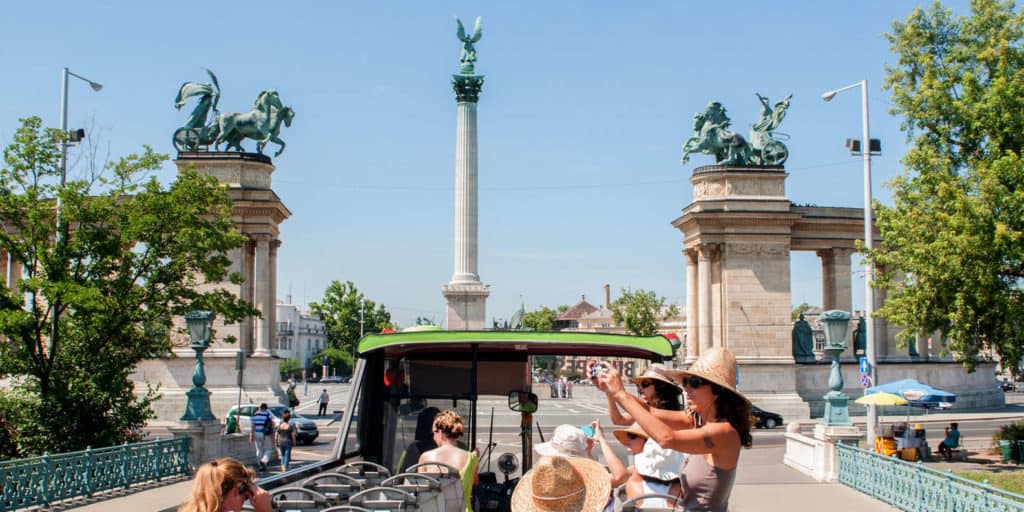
x,y
300,335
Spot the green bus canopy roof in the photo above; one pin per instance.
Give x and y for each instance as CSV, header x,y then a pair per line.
x,y
525,341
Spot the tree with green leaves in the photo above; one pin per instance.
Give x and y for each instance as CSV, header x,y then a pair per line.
x,y
952,251
799,310
542,319
640,311
342,308
128,257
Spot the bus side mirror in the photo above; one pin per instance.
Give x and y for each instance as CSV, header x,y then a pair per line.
x,y
522,401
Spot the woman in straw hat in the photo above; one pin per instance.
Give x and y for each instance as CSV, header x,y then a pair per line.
x,y
654,470
707,477
563,484
447,430
659,392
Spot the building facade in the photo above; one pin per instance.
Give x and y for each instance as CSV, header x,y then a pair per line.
x,y
300,335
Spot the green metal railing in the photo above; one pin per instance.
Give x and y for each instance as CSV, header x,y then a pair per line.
x,y
915,487
43,480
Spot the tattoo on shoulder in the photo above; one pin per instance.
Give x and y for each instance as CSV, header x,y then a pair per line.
x,y
708,442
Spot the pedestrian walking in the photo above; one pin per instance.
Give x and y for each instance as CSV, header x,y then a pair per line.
x,y
568,388
324,398
285,439
262,427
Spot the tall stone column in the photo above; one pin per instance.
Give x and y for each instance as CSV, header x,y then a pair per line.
x,y
705,255
465,294
692,320
264,299
248,269
828,285
272,336
836,278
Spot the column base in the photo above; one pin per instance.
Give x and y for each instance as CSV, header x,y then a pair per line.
x,y
467,306
197,408
837,412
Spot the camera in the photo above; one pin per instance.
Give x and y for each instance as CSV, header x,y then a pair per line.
x,y
596,370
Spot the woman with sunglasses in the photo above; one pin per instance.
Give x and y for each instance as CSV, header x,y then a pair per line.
x,y
448,428
659,392
707,476
224,485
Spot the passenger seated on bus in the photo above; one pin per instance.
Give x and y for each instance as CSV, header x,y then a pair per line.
x,y
448,426
423,439
567,441
563,484
655,470
658,392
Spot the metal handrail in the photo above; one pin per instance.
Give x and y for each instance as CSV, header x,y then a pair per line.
x,y
40,481
915,487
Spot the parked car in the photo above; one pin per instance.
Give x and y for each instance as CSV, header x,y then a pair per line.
x,y
305,433
1006,385
334,379
764,419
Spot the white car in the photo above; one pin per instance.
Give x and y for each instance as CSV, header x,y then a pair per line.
x,y
305,433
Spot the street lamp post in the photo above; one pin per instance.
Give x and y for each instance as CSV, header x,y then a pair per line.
x,y
64,139
869,302
199,329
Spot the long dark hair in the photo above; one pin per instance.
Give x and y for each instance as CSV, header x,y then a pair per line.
x,y
732,408
666,396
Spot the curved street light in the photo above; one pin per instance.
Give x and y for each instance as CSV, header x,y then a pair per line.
x,y
869,300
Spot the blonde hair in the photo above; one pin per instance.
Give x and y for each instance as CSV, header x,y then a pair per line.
x,y
449,423
212,482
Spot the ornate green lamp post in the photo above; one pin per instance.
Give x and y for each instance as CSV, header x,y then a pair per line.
x,y
836,409
199,327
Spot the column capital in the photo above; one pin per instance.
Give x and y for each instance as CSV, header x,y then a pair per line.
x,y
467,87
707,250
275,244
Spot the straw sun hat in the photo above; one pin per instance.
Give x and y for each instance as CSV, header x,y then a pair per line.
x,y
658,371
717,365
563,484
622,434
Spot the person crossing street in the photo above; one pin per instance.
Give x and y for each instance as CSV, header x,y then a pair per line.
x,y
324,398
262,426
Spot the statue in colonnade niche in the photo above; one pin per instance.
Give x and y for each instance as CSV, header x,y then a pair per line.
x,y
261,124
803,341
712,136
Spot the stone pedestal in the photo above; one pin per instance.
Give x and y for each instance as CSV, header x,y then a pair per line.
x,y
207,442
818,456
257,212
467,304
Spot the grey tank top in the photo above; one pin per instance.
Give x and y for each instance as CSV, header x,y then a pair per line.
x,y
705,488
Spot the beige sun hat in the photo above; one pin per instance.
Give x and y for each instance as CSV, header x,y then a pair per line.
x,y
622,436
563,484
658,371
567,441
717,365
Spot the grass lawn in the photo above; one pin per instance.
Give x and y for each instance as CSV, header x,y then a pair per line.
x,y
1012,481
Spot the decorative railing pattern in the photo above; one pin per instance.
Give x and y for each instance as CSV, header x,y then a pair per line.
x,y
43,480
915,487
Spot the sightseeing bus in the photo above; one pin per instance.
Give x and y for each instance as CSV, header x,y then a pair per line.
x,y
400,376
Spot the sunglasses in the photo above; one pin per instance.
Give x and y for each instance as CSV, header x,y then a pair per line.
x,y
693,381
644,384
243,488
631,436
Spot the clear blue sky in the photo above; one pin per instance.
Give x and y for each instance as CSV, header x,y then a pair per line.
x,y
581,119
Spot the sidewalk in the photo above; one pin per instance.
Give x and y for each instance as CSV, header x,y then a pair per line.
x,y
764,483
